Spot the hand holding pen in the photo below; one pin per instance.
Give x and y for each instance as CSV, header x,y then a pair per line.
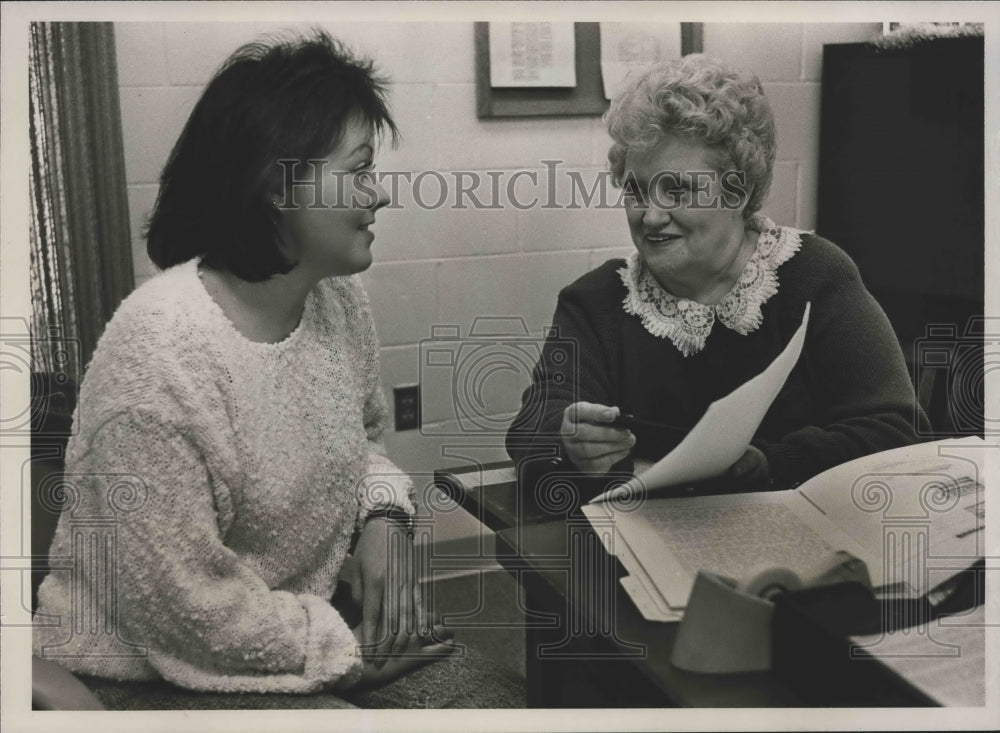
x,y
631,422
591,438
596,437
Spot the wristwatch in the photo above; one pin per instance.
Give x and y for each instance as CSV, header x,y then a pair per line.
x,y
395,515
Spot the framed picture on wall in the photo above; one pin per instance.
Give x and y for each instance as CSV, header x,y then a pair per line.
x,y
594,65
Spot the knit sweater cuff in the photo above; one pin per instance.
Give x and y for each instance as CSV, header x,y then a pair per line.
x,y
332,657
384,486
332,653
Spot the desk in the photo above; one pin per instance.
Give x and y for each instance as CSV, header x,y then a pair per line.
x,y
588,646
586,643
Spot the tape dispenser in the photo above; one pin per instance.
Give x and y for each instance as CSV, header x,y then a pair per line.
x,y
727,624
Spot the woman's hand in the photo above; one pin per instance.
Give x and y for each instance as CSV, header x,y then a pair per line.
x,y
751,471
385,585
590,442
417,652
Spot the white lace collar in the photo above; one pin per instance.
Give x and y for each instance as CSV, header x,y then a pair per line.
x,y
686,323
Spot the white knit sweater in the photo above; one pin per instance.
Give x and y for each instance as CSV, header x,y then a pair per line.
x,y
215,484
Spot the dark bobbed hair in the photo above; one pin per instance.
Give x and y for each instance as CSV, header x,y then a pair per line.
x,y
273,99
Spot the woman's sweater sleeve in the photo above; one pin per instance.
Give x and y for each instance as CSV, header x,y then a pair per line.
x,y
384,484
860,383
209,622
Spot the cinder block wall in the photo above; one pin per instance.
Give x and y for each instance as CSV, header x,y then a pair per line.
x,y
448,266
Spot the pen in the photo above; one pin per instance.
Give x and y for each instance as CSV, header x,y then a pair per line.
x,y
631,422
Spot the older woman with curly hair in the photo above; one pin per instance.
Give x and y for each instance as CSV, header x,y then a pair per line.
x,y
710,297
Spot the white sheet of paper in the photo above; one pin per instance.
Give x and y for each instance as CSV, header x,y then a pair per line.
x,y
885,509
638,584
532,55
628,47
724,431
918,511
733,535
946,658
647,603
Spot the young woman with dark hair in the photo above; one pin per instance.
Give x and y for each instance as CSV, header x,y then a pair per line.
x,y
230,424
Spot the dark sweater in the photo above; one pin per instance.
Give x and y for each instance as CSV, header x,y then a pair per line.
x,y
848,396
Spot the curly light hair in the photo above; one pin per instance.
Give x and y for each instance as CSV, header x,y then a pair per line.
x,y
701,99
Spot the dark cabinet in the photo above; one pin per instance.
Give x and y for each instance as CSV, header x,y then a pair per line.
x,y
901,189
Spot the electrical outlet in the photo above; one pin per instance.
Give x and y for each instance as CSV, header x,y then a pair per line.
x,y
407,407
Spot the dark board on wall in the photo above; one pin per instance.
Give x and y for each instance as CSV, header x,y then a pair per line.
x,y
901,190
901,167
586,98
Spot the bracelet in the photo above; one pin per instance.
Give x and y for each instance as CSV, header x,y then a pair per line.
x,y
396,516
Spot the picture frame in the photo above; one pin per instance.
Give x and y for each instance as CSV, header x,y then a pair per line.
x,y
586,98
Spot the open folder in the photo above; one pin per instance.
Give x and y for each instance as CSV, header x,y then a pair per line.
x,y
914,515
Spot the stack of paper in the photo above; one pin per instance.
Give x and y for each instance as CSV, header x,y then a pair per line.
x,y
914,515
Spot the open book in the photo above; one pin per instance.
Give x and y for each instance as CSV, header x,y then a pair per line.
x,y
915,516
